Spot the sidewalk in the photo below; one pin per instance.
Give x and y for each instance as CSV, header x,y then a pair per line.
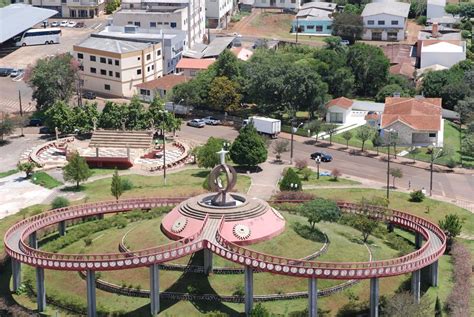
x,y
380,156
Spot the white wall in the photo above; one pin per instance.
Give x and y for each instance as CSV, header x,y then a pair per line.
x,y
345,113
216,9
288,4
388,27
445,59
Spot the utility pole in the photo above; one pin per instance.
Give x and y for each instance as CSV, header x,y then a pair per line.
x,y
21,114
431,172
388,172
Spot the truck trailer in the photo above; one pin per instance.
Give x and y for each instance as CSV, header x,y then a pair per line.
x,y
268,126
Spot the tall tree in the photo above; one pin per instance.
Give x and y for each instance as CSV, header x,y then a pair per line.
x,y
249,148
224,94
347,135
116,187
315,127
330,129
112,116
52,79
137,118
369,66
395,173
84,117
348,25
364,133
377,141
76,169
60,115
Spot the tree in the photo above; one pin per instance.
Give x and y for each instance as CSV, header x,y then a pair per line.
x,y
466,10
207,154
335,173
417,8
315,127
84,117
116,187
347,135
330,129
280,146
342,82
60,202
468,143
451,225
377,141
465,108
333,42
136,115
291,181
227,65
76,169
52,79
259,311
6,126
320,209
395,173
402,305
364,133
224,94
112,116
449,84
365,225
60,115
414,151
306,172
370,68
348,25
389,91
111,6
249,148
26,167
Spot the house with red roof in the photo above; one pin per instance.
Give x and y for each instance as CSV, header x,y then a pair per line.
x,y
417,120
338,110
192,66
160,86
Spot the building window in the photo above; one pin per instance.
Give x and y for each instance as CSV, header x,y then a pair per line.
x,y
130,23
109,61
148,57
394,22
81,67
144,92
160,23
153,24
92,58
139,71
117,63
111,73
335,117
319,28
148,69
192,73
166,23
432,135
117,74
107,87
80,56
370,22
103,72
103,60
93,70
173,24
310,27
381,22
329,27
158,53
392,36
153,67
137,24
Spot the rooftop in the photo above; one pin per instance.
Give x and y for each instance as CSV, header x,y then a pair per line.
x,y
443,46
394,8
327,6
213,49
342,102
195,63
321,14
16,18
140,34
164,83
113,46
242,53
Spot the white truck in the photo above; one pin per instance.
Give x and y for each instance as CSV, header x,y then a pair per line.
x,y
269,126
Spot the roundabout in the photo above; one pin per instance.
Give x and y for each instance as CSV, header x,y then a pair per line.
x,y
222,224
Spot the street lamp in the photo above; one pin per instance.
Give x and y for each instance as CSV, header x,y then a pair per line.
x,y
164,147
390,131
318,161
431,151
293,131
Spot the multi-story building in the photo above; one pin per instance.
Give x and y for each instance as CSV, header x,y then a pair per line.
x,y
385,21
218,12
73,8
113,67
172,41
293,5
314,18
186,15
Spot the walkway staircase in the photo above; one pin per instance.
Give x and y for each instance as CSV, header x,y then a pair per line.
x,y
121,139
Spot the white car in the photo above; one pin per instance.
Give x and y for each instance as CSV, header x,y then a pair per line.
x,y
55,24
63,23
71,24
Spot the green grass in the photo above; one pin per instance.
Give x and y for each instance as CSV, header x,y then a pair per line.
x,y
328,181
8,173
102,171
45,180
451,140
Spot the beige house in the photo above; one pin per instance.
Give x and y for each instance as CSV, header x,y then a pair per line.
x,y
190,67
160,87
113,67
417,120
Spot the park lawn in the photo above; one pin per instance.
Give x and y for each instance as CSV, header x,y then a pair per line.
x,y
327,181
179,184
451,140
8,173
102,171
45,180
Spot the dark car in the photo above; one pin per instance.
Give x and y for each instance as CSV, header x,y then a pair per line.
x,y
323,156
89,95
5,72
44,130
80,25
35,122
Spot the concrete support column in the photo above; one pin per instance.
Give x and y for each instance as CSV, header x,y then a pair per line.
x,y
434,274
313,297
374,297
154,289
40,290
33,242
16,274
207,261
418,240
91,302
415,285
62,228
248,290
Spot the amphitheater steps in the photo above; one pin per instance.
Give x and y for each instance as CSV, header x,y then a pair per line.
x,y
121,139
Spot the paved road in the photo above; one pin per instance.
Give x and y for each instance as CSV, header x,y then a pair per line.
x,y
454,186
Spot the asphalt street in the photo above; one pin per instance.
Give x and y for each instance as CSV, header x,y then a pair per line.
x,y
454,186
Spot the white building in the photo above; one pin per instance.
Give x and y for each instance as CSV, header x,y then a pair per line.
x,y
113,67
73,8
444,53
186,15
385,21
435,8
218,12
294,5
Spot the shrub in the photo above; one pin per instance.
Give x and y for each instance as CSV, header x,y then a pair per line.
x,y
127,184
301,163
291,195
465,34
239,291
335,173
417,196
59,202
259,311
87,241
291,181
306,173
421,20
451,163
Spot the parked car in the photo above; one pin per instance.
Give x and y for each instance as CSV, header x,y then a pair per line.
x,y
5,72
16,72
44,130
63,23
211,121
89,95
71,24
55,24
197,123
324,156
345,42
35,122
80,25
